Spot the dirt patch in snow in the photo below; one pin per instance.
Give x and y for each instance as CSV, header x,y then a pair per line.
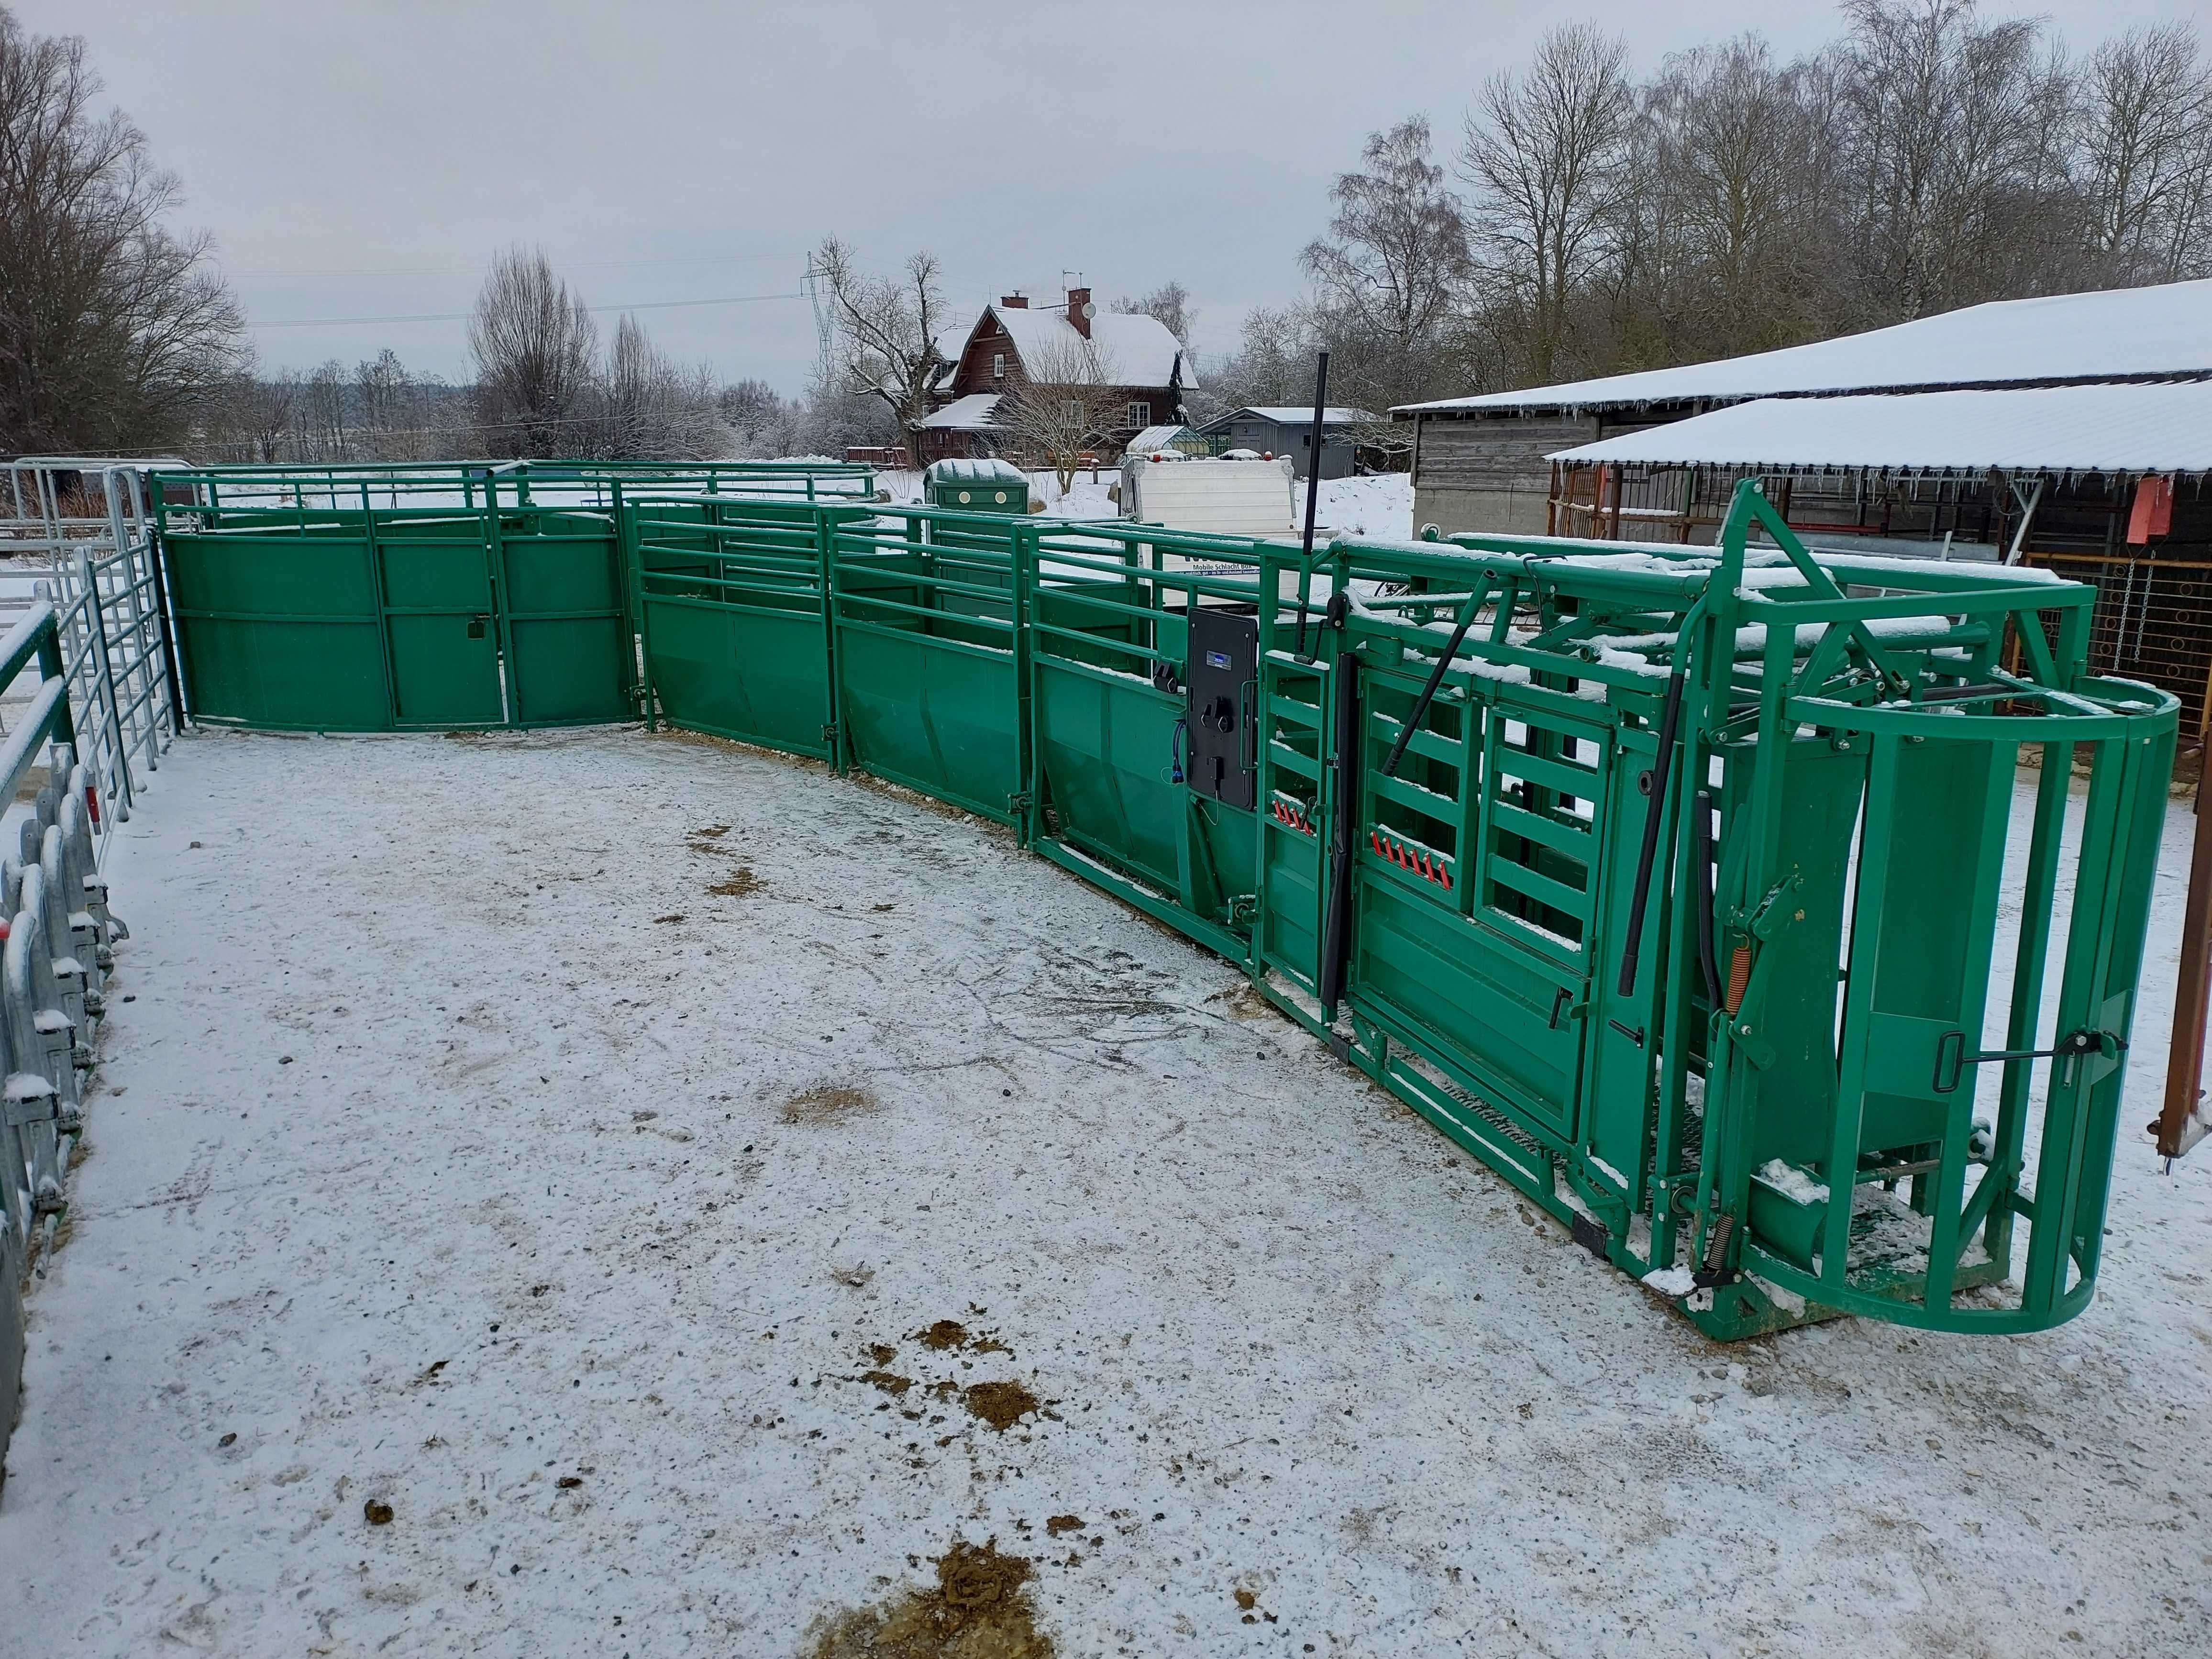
x,y
830,1103
1247,1002
999,1404
740,884
978,1608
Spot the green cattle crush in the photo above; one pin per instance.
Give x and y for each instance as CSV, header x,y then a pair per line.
x,y
1665,880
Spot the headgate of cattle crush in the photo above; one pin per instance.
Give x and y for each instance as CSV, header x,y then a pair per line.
x,y
1692,890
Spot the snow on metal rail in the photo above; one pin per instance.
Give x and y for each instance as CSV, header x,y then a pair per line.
x,y
59,940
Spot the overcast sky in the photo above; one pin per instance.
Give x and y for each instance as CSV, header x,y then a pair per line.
x,y
364,162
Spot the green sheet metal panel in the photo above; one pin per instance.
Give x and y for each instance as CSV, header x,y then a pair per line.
x,y
1823,789
280,630
442,617
757,675
1106,747
1915,971
1486,1006
567,629
445,670
937,715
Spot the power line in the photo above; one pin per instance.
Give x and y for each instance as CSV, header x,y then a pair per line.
x,y
462,316
478,269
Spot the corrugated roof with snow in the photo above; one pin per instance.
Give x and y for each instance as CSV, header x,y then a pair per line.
x,y
2114,334
1291,415
2164,426
972,413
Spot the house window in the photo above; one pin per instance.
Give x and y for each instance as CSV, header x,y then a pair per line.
x,y
1140,415
998,365
1072,411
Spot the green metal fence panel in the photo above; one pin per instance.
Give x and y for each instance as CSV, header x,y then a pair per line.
x,y
1665,880
372,619
1111,612
563,597
734,611
928,679
282,629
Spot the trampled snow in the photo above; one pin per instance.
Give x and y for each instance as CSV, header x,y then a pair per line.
x,y
459,1140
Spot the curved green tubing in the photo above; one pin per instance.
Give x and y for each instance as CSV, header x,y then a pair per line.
x,y
1034,672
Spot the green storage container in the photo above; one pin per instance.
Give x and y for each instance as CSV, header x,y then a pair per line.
x,y
977,486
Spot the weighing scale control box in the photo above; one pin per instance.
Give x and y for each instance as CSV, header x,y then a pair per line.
x,y
1223,675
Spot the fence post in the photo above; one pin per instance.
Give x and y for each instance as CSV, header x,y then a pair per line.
x,y
1029,817
157,553
96,628
825,554
51,667
139,666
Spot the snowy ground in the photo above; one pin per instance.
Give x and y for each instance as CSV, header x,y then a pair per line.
x,y
464,1150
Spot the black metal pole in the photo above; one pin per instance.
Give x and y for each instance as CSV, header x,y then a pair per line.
x,y
1701,859
1336,927
1313,491
1428,693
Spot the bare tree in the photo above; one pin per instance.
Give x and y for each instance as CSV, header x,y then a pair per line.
x,y
2145,112
535,346
1169,305
886,331
1390,274
1723,243
112,331
655,411
1063,407
1546,154
1274,362
1953,131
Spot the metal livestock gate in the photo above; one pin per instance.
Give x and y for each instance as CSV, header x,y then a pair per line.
x,y
1668,881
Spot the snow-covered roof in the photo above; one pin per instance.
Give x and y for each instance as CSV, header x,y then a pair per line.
x,y
969,414
1291,415
2156,426
986,470
1134,349
2114,334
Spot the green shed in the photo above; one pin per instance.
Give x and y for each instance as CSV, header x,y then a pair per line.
x,y
988,485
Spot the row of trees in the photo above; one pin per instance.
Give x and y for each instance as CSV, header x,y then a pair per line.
x,y
1588,223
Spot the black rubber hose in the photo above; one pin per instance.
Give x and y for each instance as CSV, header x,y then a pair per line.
x,y
1654,815
1336,931
1429,694
1701,859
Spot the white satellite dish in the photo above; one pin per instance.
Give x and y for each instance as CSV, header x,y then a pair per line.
x,y
1089,311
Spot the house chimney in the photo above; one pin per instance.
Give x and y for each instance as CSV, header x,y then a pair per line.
x,y
1014,302
1078,310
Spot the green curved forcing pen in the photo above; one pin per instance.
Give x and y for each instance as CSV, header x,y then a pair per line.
x,y
1670,881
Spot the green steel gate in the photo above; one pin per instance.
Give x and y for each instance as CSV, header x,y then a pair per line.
x,y
732,603
396,619
1665,880
927,663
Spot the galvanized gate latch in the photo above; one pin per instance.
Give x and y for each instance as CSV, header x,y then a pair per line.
x,y
1952,1058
